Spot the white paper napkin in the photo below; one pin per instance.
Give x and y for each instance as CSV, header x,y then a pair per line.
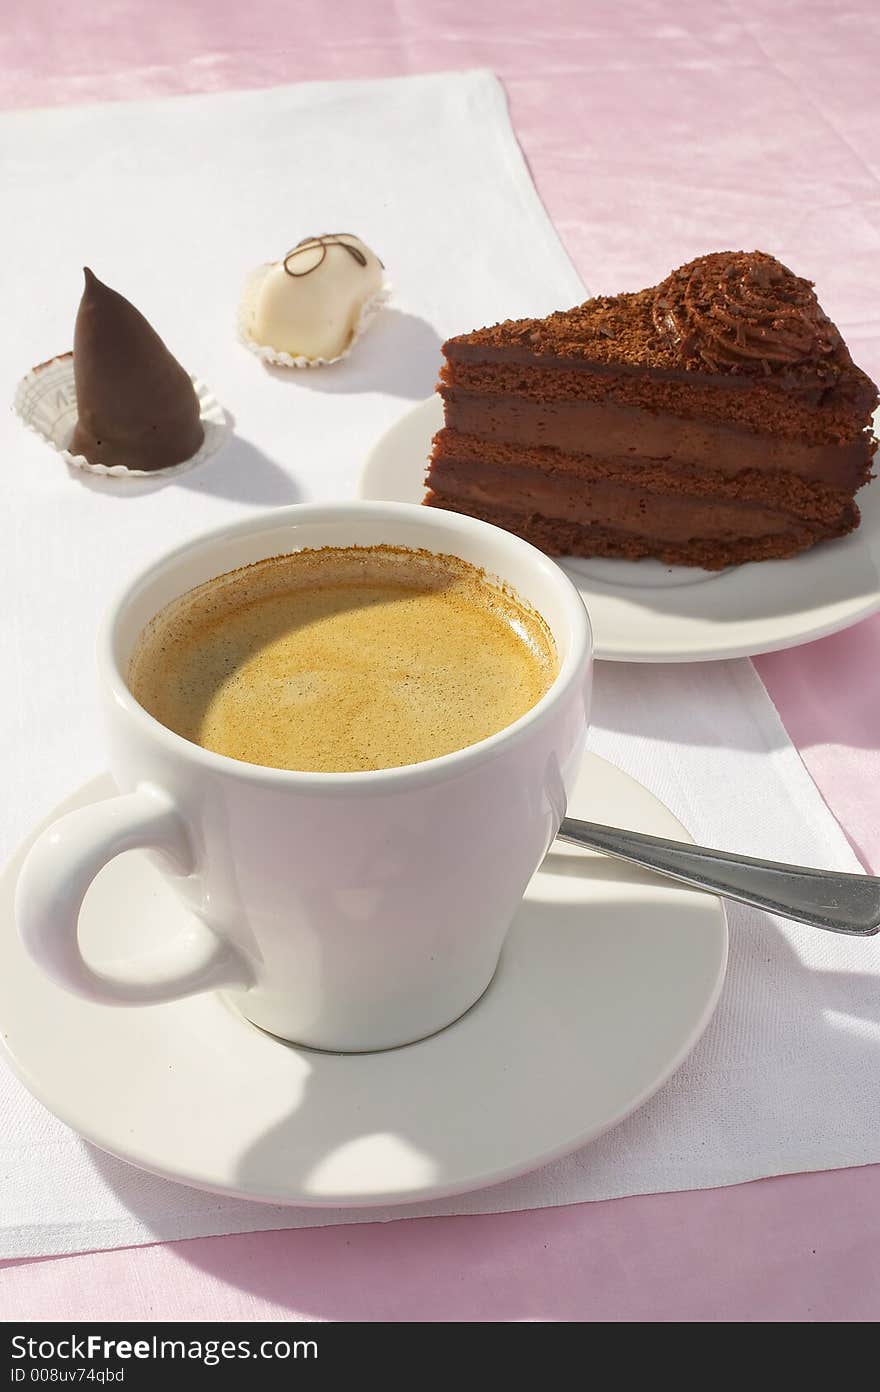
x,y
172,203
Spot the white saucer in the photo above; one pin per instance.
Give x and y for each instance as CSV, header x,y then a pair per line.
x,y
644,611
608,979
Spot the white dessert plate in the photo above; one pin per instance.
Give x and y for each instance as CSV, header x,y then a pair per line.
x,y
608,979
644,611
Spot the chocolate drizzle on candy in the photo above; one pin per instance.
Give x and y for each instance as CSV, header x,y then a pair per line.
x,y
746,313
326,240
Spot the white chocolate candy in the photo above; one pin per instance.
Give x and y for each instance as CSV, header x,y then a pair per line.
x,y
309,304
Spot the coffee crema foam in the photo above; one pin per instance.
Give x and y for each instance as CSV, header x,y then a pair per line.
x,y
343,659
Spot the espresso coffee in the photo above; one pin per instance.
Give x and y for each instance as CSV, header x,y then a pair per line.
x,y
343,659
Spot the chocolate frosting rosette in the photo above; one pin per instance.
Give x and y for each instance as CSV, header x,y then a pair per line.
x,y
744,312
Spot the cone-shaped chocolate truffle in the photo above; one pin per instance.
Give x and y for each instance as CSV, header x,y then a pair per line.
x,y
137,406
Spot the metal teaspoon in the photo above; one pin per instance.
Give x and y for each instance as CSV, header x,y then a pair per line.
x,y
821,898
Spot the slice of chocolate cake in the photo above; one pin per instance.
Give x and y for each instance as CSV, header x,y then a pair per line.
x,y
713,419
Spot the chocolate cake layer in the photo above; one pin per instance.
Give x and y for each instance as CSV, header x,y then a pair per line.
x,y
563,538
469,456
606,429
674,517
834,417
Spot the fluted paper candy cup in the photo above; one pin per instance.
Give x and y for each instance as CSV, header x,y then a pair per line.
x,y
45,401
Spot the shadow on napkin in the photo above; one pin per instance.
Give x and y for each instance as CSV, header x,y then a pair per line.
x,y
399,356
821,1005
240,472
285,1280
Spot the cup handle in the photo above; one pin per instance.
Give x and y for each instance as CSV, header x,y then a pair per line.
x,y
59,869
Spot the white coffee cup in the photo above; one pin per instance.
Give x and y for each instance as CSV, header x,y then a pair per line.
x,y
345,911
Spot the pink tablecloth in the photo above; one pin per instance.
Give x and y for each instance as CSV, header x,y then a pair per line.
x,y
654,132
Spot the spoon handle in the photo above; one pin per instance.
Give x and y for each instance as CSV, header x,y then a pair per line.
x,y
822,898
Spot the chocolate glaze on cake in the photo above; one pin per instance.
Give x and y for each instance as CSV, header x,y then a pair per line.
x,y
715,418
137,406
